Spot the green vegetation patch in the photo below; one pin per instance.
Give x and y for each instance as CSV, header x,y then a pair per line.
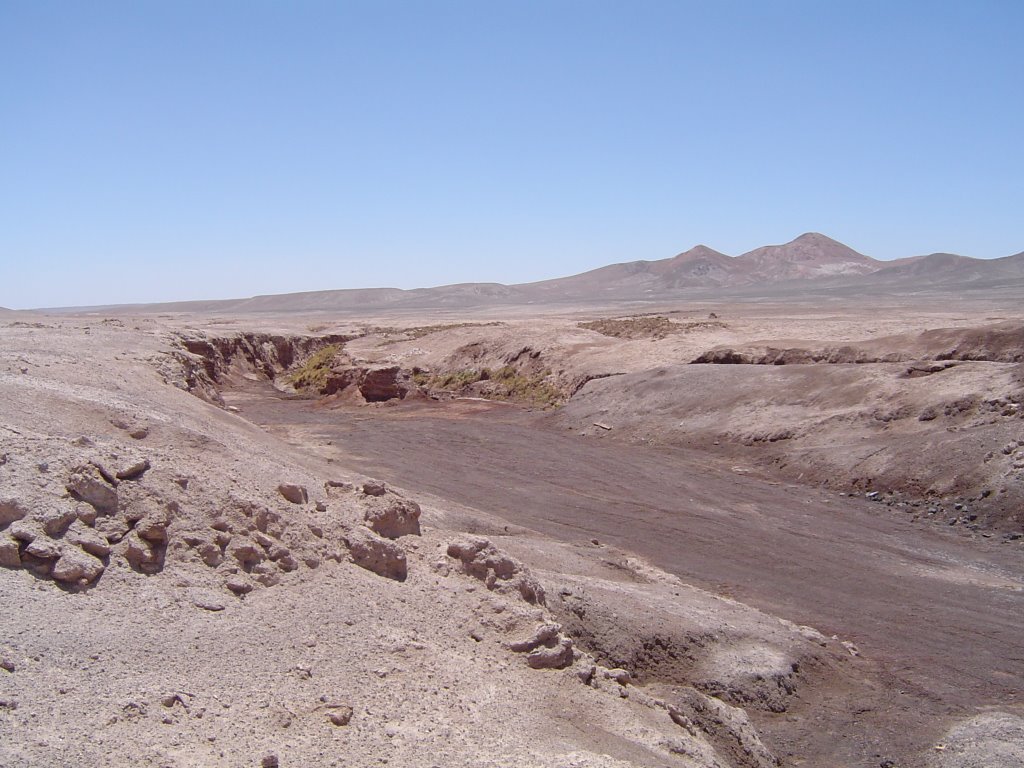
x,y
313,373
534,389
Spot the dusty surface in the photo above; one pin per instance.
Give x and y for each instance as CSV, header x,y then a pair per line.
x,y
197,570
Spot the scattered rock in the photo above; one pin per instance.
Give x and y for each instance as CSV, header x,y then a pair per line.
x,y
11,510
586,672
558,657
340,716
620,676
238,585
43,548
10,556
393,518
376,554
133,471
545,634
374,488
113,529
77,567
728,727
56,521
480,559
153,527
296,494
269,760
208,601
247,555
547,648
141,555
88,484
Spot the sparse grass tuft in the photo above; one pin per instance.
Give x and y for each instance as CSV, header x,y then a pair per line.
x,y
313,373
506,383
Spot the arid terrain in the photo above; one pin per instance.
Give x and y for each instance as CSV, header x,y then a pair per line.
x,y
715,531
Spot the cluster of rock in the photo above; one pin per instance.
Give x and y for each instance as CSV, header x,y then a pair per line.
x,y
102,513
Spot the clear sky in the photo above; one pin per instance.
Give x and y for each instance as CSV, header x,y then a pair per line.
x,y
187,149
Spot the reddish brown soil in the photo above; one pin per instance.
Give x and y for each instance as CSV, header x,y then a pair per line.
x,y
938,618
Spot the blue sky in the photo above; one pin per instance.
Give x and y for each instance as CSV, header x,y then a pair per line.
x,y
183,150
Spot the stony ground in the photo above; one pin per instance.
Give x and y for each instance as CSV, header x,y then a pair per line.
x,y
184,587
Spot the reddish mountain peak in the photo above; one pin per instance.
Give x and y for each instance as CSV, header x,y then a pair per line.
x,y
808,256
699,252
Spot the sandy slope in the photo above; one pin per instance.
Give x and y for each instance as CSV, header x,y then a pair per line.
x,y
229,625
168,605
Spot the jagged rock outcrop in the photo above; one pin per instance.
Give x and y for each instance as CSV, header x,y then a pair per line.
x,y
377,554
480,559
391,516
374,385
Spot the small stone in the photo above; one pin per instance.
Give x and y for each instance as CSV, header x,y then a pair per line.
x,y
296,494
24,530
7,664
140,554
10,555
139,433
113,529
11,510
340,716
208,601
374,488
552,658
321,506
238,585
88,484
89,540
269,760
43,548
133,471
620,676
153,527
77,567
56,521
86,514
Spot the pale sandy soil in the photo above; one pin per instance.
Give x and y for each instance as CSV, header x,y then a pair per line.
x,y
218,623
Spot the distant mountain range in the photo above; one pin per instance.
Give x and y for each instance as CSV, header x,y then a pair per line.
x,y
809,265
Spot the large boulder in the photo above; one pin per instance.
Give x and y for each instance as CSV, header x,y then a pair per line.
x,y
382,384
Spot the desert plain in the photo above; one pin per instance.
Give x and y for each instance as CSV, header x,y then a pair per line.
x,y
718,528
